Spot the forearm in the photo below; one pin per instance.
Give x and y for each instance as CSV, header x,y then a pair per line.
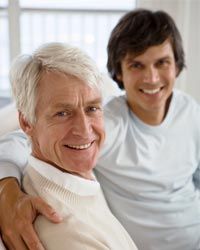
x,y
9,187
9,193
13,154
17,213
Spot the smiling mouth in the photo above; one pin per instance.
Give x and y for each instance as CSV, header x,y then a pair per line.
x,y
151,91
79,147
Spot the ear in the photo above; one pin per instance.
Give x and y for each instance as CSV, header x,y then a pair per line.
x,y
26,126
177,71
119,77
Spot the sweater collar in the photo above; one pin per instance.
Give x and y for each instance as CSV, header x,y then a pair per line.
x,y
71,182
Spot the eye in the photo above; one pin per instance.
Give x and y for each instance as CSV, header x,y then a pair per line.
x,y
62,113
93,109
136,65
163,62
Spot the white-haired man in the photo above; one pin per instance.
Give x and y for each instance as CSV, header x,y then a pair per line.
x,y
58,94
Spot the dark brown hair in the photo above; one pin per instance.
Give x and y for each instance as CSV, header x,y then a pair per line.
x,y
138,30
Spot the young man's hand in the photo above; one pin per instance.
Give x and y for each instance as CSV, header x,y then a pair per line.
x,y
17,213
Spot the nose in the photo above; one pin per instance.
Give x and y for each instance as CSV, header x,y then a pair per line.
x,y
151,75
82,125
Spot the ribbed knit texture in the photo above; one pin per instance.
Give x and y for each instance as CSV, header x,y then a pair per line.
x,y
88,223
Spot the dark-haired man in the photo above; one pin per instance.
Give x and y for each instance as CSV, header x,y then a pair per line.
x,y
149,168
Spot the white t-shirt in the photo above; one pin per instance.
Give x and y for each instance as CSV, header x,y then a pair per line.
x,y
147,174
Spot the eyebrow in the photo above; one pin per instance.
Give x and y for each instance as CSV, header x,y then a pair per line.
x,y
164,57
69,106
94,101
132,60
97,100
135,60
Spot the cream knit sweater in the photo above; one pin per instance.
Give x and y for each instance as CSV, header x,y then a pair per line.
x,y
88,223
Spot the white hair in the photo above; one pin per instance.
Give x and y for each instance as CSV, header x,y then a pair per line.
x,y
26,71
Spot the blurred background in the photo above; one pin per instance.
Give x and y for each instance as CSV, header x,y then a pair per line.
x,y
25,24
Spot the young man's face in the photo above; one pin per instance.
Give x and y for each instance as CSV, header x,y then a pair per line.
x,y
69,129
149,80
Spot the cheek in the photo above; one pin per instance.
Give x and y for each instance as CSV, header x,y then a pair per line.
x,y
45,138
43,141
101,133
53,130
132,81
171,75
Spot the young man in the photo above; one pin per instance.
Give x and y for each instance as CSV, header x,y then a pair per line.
x,y
149,165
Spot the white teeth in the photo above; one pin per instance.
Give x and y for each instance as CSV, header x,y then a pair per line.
x,y
84,146
151,91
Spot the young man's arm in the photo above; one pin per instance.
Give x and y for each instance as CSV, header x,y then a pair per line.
x,y
14,151
17,209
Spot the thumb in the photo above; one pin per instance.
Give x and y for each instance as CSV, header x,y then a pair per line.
x,y
45,209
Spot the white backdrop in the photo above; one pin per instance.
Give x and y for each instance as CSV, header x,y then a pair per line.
x,y
186,14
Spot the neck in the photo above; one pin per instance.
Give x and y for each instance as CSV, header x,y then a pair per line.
x,y
86,175
155,118
152,118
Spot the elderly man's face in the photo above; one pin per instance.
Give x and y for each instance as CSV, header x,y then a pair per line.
x,y
69,129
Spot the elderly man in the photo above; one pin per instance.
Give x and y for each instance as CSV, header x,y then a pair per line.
x,y
58,95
